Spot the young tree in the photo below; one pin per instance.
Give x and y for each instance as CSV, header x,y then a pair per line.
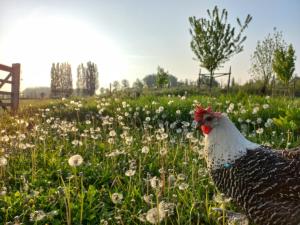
x,y
116,85
150,80
173,81
125,84
138,84
162,77
61,80
284,64
214,41
262,58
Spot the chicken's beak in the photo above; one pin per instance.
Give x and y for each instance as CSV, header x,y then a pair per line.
x,y
196,124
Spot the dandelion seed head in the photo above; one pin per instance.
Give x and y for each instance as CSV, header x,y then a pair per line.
x,y
260,130
3,161
183,186
155,215
37,215
130,173
75,160
145,149
117,198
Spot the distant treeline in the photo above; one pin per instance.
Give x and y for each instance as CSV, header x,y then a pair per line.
x,y
62,82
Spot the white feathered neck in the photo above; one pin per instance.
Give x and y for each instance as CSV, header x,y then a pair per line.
x,y
224,144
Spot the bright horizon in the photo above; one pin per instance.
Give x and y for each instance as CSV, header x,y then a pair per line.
x,y
128,39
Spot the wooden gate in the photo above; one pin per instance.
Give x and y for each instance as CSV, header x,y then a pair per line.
x,y
13,78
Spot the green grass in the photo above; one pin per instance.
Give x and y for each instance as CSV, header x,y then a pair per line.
x,y
39,186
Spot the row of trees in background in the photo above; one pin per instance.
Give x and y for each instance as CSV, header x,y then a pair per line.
x,y
61,79
161,79
62,83
87,79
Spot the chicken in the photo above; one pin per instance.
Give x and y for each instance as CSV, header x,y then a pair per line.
x,y
264,183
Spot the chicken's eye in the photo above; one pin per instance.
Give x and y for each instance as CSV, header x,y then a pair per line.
x,y
209,118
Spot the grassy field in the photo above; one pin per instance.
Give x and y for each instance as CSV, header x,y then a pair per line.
x,y
124,161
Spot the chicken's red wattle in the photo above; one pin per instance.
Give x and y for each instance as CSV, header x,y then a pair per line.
x,y
206,129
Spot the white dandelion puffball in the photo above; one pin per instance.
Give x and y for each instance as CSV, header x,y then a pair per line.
x,y
155,215
145,149
130,173
116,198
75,160
3,161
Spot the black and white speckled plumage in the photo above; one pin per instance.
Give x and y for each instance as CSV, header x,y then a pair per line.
x,y
265,184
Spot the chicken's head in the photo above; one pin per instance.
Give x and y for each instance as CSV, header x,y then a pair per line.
x,y
205,119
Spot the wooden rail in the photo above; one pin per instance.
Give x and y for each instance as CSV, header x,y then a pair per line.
x,y
13,78
215,75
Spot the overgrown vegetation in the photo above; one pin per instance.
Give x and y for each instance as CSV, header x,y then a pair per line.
x,y
124,161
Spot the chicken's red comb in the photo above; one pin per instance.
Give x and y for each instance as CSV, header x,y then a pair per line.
x,y
200,111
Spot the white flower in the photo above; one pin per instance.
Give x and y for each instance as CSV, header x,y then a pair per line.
x,y
163,151
3,161
37,215
178,112
76,143
112,133
181,176
155,215
160,109
116,198
75,160
260,130
148,199
243,111
130,173
155,182
259,120
145,149
178,131
221,198
183,186
265,106
189,135
255,110
3,191
110,140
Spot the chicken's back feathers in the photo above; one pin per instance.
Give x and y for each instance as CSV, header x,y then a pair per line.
x,y
293,153
265,183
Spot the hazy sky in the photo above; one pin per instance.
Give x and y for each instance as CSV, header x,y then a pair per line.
x,y
128,38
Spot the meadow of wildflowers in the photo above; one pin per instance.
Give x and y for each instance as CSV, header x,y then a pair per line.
x,y
125,161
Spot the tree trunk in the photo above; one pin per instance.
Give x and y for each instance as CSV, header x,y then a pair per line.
x,y
210,81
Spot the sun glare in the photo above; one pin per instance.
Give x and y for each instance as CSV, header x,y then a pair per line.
x,y
37,42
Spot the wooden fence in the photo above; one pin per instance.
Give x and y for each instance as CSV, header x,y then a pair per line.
x,y
215,75
13,78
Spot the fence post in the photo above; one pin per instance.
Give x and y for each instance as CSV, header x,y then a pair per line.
x,y
15,87
228,84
